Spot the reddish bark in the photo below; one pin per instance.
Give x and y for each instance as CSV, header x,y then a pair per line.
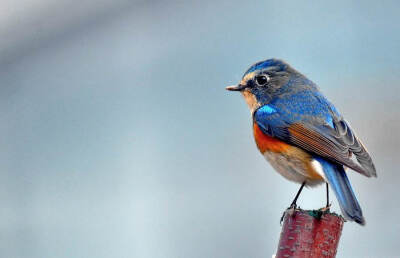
x,y
309,234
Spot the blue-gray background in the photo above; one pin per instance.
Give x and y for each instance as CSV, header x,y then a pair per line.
x,y
119,140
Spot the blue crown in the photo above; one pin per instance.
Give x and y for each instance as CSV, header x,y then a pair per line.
x,y
265,64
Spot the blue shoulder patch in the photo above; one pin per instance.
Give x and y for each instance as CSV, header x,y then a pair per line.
x,y
270,122
268,109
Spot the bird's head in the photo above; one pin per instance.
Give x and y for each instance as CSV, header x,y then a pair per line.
x,y
263,81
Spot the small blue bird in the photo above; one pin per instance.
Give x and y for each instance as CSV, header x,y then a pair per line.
x,y
302,134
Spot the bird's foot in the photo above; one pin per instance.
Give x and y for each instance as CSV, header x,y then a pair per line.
x,y
290,211
326,208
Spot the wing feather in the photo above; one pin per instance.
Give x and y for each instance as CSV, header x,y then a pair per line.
x,y
337,144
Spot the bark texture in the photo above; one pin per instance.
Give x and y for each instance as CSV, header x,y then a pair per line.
x,y
309,233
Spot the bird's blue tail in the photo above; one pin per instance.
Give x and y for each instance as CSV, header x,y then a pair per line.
x,y
337,179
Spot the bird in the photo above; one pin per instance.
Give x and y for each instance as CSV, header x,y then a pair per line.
x,y
301,133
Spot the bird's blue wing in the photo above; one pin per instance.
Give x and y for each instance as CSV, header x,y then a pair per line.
x,y
317,128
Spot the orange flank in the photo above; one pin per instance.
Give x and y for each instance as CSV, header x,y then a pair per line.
x,y
268,143
303,159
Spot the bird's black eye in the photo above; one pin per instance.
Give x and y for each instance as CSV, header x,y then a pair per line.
x,y
261,80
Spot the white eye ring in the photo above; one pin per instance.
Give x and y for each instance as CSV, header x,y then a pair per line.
x,y
262,79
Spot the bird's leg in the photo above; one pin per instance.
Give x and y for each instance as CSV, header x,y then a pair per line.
x,y
328,205
293,205
327,195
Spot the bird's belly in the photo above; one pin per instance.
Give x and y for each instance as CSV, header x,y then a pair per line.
x,y
293,168
291,162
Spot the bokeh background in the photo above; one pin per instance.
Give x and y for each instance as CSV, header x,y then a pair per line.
x,y
119,140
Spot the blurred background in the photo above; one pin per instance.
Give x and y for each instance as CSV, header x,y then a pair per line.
x,y
119,140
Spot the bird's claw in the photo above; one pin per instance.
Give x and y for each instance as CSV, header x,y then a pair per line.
x,y
326,208
290,211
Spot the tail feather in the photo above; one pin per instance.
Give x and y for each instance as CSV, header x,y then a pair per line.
x,y
337,179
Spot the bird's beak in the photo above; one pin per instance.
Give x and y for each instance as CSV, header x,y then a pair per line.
x,y
238,87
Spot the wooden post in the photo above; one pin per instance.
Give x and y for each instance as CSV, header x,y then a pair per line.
x,y
309,233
